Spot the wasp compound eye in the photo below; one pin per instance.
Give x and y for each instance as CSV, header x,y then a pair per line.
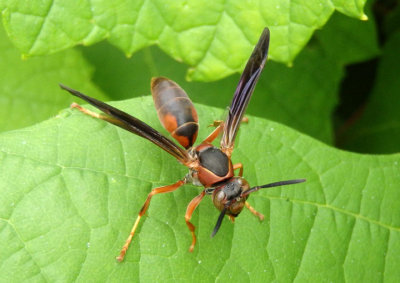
x,y
219,199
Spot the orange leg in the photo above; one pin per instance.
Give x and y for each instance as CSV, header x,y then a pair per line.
x,y
189,211
98,115
219,124
214,133
255,212
239,166
165,189
216,123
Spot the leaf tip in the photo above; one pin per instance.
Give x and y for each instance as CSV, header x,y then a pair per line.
x,y
189,74
364,17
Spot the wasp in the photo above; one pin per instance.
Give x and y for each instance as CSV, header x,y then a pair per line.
x,y
209,166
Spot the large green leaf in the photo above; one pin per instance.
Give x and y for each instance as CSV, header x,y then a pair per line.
x,y
71,187
27,87
378,130
215,37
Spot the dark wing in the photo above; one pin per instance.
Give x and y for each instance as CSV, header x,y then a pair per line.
x,y
245,89
134,125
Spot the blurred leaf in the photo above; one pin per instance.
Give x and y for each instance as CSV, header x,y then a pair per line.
x,y
71,187
392,20
302,97
378,130
27,87
215,37
349,41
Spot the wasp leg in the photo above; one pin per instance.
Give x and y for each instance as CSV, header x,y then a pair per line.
x,y
189,211
97,115
216,123
219,124
239,166
214,133
165,189
255,212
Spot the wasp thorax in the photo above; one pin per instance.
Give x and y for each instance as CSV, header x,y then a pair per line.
x,y
229,194
212,166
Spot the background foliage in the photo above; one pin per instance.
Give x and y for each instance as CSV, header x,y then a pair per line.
x,y
71,186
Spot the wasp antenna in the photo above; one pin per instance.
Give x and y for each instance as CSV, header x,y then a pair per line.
x,y
70,90
219,222
275,184
75,93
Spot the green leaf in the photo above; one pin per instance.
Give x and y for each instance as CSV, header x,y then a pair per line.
x,y
351,8
214,37
378,130
392,21
71,187
296,96
27,87
348,40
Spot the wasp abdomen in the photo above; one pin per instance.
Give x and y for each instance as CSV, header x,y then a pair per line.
x,y
175,111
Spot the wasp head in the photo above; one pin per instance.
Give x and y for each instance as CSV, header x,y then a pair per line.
x,y
230,197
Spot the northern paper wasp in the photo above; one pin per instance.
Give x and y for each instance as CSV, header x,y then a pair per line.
x,y
209,166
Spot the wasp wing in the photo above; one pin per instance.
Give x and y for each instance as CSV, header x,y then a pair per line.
x,y
134,125
244,90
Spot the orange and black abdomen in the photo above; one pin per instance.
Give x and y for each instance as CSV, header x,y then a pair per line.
x,y
175,110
